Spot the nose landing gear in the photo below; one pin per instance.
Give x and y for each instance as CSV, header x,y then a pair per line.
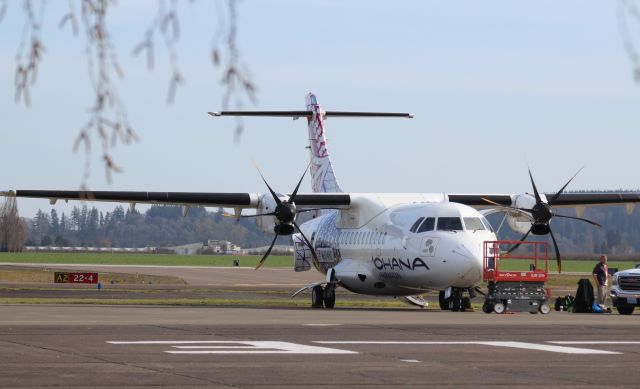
x,y
453,299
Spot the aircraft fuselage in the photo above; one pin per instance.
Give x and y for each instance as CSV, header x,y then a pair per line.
x,y
403,250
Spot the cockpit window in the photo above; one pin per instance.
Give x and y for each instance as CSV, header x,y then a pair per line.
x,y
449,224
427,225
473,224
415,225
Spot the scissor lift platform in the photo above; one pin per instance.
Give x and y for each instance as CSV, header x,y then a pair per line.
x,y
516,290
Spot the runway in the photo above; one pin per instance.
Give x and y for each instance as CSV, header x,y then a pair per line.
x,y
248,348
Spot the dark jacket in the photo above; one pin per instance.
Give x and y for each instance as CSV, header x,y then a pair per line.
x,y
601,273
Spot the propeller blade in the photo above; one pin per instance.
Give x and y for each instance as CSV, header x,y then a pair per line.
x,y
264,258
243,216
275,196
557,195
579,218
523,238
535,190
313,209
313,252
555,245
504,208
295,191
491,202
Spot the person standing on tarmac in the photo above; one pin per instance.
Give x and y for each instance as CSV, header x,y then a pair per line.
x,y
600,274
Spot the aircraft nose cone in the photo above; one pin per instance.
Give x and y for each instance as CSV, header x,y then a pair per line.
x,y
470,260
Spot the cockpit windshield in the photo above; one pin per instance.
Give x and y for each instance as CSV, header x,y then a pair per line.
x,y
449,224
473,224
427,225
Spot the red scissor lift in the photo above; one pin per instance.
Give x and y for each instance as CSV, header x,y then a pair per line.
x,y
516,290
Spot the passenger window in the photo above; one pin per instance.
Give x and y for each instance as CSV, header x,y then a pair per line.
x,y
415,225
427,225
473,224
449,224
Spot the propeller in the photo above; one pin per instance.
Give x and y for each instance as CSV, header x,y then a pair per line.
x,y
285,214
542,213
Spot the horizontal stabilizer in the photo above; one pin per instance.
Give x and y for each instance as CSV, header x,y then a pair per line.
x,y
299,114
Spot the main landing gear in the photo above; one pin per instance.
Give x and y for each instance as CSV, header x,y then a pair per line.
x,y
453,299
323,297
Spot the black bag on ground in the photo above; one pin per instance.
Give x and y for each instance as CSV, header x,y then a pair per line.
x,y
584,297
559,303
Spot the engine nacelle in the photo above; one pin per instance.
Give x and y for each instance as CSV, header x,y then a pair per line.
x,y
518,221
266,204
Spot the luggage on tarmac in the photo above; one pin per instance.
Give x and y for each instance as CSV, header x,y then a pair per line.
x,y
564,303
583,302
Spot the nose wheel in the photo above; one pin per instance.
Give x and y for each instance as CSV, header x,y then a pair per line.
x,y
453,299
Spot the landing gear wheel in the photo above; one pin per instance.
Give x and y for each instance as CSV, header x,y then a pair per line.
x,y
466,304
499,308
487,308
444,302
456,305
544,308
456,300
317,296
625,309
329,296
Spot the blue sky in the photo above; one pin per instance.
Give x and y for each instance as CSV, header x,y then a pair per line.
x,y
494,86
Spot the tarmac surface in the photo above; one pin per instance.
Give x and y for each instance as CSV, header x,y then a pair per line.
x,y
141,346
253,347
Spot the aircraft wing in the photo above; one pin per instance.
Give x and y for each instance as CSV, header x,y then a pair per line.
x,y
203,199
566,200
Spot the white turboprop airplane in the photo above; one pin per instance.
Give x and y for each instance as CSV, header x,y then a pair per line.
x,y
375,243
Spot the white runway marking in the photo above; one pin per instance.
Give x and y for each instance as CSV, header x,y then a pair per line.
x,y
235,347
595,342
321,325
520,345
410,360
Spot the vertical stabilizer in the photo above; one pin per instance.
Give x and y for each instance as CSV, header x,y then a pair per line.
x,y
322,177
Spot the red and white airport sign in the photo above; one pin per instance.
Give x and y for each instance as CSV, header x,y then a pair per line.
x,y
75,278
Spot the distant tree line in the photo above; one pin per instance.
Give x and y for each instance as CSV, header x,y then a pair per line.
x,y
160,225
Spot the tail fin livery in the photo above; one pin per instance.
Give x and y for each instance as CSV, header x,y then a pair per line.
x,y
323,178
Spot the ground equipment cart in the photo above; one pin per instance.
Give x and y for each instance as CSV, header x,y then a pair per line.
x,y
520,289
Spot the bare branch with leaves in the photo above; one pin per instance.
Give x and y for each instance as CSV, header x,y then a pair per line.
x,y
108,124
629,22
